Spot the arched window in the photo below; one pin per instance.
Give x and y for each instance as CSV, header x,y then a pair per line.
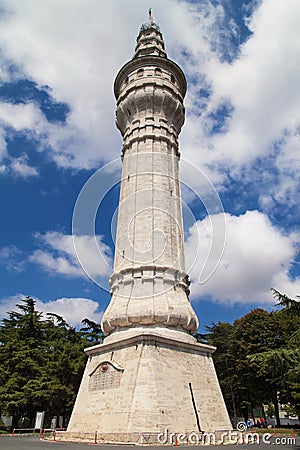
x,y
140,72
172,79
158,72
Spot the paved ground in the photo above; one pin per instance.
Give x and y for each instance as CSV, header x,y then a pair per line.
x,y
34,443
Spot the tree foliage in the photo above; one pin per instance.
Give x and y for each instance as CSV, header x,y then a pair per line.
x,y
281,366
41,362
257,359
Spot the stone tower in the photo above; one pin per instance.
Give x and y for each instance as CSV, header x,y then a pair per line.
x,y
150,374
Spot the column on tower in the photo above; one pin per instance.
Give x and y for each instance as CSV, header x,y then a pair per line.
x,y
149,285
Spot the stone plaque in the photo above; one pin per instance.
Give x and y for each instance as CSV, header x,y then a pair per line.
x,y
106,376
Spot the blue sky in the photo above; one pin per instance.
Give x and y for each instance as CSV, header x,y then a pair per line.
x,y
58,61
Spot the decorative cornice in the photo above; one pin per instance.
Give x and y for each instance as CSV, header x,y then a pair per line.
x,y
156,61
151,339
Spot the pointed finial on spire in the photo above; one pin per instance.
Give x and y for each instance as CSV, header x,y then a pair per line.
x,y
150,18
150,24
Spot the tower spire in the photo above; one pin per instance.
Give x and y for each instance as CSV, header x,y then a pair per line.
x,y
150,17
150,40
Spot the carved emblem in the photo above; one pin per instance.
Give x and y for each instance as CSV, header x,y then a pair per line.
x,y
106,375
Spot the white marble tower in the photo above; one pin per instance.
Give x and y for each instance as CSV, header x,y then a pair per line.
x,y
150,374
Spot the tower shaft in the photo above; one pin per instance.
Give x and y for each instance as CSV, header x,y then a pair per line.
x,y
149,285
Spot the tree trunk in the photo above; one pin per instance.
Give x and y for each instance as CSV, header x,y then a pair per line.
x,y
15,421
264,414
276,406
245,413
233,407
252,412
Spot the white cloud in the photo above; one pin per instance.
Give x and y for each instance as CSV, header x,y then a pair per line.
x,y
262,84
3,147
20,116
3,152
73,310
20,167
67,49
257,257
287,164
8,304
58,255
77,53
64,265
12,258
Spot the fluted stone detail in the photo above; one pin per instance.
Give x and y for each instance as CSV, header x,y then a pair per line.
x,y
149,285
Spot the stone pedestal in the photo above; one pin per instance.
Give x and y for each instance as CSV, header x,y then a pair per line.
x,y
148,383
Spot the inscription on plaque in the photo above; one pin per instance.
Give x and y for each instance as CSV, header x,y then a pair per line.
x,y
105,376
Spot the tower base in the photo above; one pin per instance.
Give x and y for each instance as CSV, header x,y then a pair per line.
x,y
149,383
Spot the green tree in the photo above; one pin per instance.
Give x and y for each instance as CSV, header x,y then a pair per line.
x,y
220,335
21,358
288,303
92,332
64,366
41,362
281,365
245,387
256,332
